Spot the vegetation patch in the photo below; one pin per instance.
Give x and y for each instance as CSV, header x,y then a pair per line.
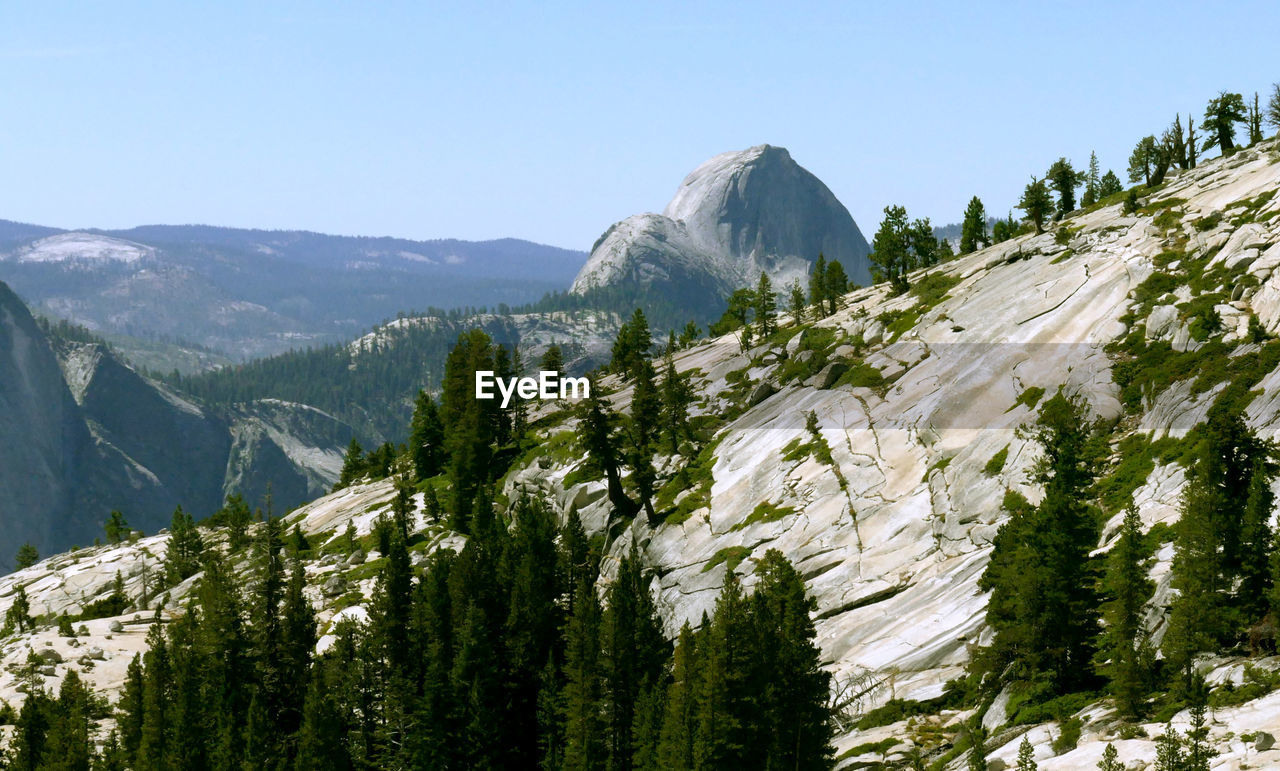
x,y
765,511
933,287
862,375
1029,398
1137,459
996,464
879,748
695,477
730,556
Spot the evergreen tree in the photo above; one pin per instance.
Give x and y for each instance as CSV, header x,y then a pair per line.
x,y
426,438
353,465
116,528
553,359
1199,752
1256,544
598,434
131,710
924,244
645,425
1127,656
1220,118
182,559
1036,203
1110,759
1092,182
727,716
795,689
891,249
1064,180
1043,605
18,616
973,230
818,286
633,344
585,727
237,517
633,650
1273,107
26,556
677,396
1255,121
1192,147
834,284
1110,185
766,305
796,301
1142,160
679,723
470,424
1026,756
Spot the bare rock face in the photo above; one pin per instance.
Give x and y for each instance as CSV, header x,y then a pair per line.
x,y
736,215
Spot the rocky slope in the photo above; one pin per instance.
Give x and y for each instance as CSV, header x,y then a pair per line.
x,y
734,216
84,434
914,396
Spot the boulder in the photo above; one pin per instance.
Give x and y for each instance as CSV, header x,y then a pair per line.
x,y
356,558
97,654
334,587
1263,741
50,656
115,626
761,392
830,374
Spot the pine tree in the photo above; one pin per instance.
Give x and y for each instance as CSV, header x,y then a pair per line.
x,y
1064,180
834,284
26,556
633,650
1092,182
973,230
132,709
795,689
677,396
796,301
679,723
182,559
1192,147
235,515
353,465
818,286
1178,143
1043,605
153,745
924,244
584,722
1255,121
891,249
18,616
1273,107
1199,752
1142,160
553,358
1220,118
426,438
470,424
727,719
766,306
1256,544
1026,756
116,528
1127,656
1169,754
1110,759
598,434
1110,185
1036,203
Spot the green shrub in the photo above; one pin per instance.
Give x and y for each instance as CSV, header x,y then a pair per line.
x,y
996,464
731,556
765,511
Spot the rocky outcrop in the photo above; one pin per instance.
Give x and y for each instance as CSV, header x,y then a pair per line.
x,y
736,215
81,434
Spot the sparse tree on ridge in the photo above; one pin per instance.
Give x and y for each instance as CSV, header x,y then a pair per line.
x,y
796,301
26,556
1255,121
1273,107
835,283
973,231
1064,180
766,306
1220,118
1110,185
1142,160
1037,203
1092,182
891,249
818,286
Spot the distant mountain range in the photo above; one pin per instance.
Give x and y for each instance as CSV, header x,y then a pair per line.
x,y
250,293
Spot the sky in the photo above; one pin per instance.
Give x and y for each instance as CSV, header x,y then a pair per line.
x,y
550,121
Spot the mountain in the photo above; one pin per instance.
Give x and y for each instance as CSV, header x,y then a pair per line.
x,y
734,216
248,293
874,447
83,434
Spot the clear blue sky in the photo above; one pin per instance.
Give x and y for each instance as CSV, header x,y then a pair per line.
x,y
550,121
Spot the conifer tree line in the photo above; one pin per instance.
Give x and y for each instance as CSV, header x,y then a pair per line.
x,y
1065,622
502,655
753,312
